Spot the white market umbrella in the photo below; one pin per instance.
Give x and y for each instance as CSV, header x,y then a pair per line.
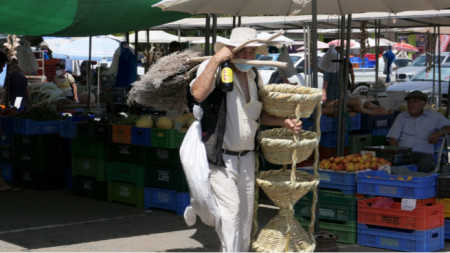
x,y
202,40
383,42
320,45
297,7
353,44
156,36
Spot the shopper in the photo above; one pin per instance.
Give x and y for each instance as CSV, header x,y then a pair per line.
x,y
229,124
66,82
419,129
16,85
389,58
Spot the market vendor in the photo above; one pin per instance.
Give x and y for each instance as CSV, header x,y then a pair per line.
x,y
419,129
229,125
66,82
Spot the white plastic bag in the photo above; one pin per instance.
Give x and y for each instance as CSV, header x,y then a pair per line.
x,y
196,168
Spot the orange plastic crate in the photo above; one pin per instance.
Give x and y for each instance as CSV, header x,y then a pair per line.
x,y
428,214
121,134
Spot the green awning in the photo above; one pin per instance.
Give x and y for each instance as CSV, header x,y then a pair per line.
x,y
80,17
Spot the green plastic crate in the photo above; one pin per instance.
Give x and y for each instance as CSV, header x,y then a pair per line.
x,y
333,206
6,155
126,193
88,148
129,154
89,187
359,141
126,172
167,178
165,158
89,167
162,138
345,232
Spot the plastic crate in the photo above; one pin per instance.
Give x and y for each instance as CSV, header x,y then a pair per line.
x,y
380,183
165,158
447,229
89,187
121,134
126,172
88,148
68,129
380,132
166,199
90,167
129,154
7,124
6,139
328,124
126,193
355,122
401,240
42,179
7,172
370,122
428,214
33,127
6,155
167,178
141,136
161,138
94,132
342,181
333,206
443,186
446,203
358,142
329,139
345,232
183,201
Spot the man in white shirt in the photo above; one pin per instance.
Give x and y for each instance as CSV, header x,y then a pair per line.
x,y
231,143
419,129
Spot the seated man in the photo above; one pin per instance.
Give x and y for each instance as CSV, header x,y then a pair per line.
x,y
419,130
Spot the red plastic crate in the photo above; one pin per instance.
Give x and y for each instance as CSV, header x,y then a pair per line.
x,y
428,214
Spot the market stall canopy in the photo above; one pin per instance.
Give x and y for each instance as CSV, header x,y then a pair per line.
x,y
402,46
278,40
320,45
383,42
103,47
80,17
289,7
202,40
353,43
156,36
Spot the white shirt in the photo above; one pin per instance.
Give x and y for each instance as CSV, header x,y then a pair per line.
x,y
413,132
242,119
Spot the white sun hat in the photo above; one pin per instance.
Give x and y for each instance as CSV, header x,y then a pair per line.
x,y
240,35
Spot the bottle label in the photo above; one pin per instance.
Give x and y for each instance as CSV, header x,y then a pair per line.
x,y
227,75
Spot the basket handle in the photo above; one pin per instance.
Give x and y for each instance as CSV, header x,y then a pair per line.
x,y
294,154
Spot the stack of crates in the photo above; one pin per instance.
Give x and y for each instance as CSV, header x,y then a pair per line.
x,y
6,145
378,127
443,192
38,161
166,186
88,160
404,216
337,214
329,134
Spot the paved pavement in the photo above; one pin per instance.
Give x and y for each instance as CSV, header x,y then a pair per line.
x,y
59,221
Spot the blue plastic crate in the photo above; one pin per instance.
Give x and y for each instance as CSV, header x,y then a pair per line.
x,y
369,122
355,122
343,181
6,139
328,124
380,131
33,127
447,228
401,240
160,198
355,60
7,124
329,139
183,200
7,172
68,129
141,136
380,183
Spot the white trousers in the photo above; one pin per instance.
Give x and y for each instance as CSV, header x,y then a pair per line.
x,y
233,188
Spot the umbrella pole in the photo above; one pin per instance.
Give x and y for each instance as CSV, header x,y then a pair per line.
x,y
207,27
313,40
88,75
341,87
214,31
433,61
439,66
148,47
377,48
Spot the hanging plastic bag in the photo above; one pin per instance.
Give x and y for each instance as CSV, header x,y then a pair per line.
x,y
196,168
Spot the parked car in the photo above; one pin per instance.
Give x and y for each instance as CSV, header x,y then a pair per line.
x,y
418,65
423,81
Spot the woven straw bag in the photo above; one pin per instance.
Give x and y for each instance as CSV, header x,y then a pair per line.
x,y
278,145
281,100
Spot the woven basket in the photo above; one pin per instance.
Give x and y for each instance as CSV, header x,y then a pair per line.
x,y
278,145
281,100
284,233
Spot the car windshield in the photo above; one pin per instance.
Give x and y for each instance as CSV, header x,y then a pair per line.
x,y
402,62
428,76
422,60
274,57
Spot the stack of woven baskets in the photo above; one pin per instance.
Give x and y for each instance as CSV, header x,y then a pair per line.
x,y
281,146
